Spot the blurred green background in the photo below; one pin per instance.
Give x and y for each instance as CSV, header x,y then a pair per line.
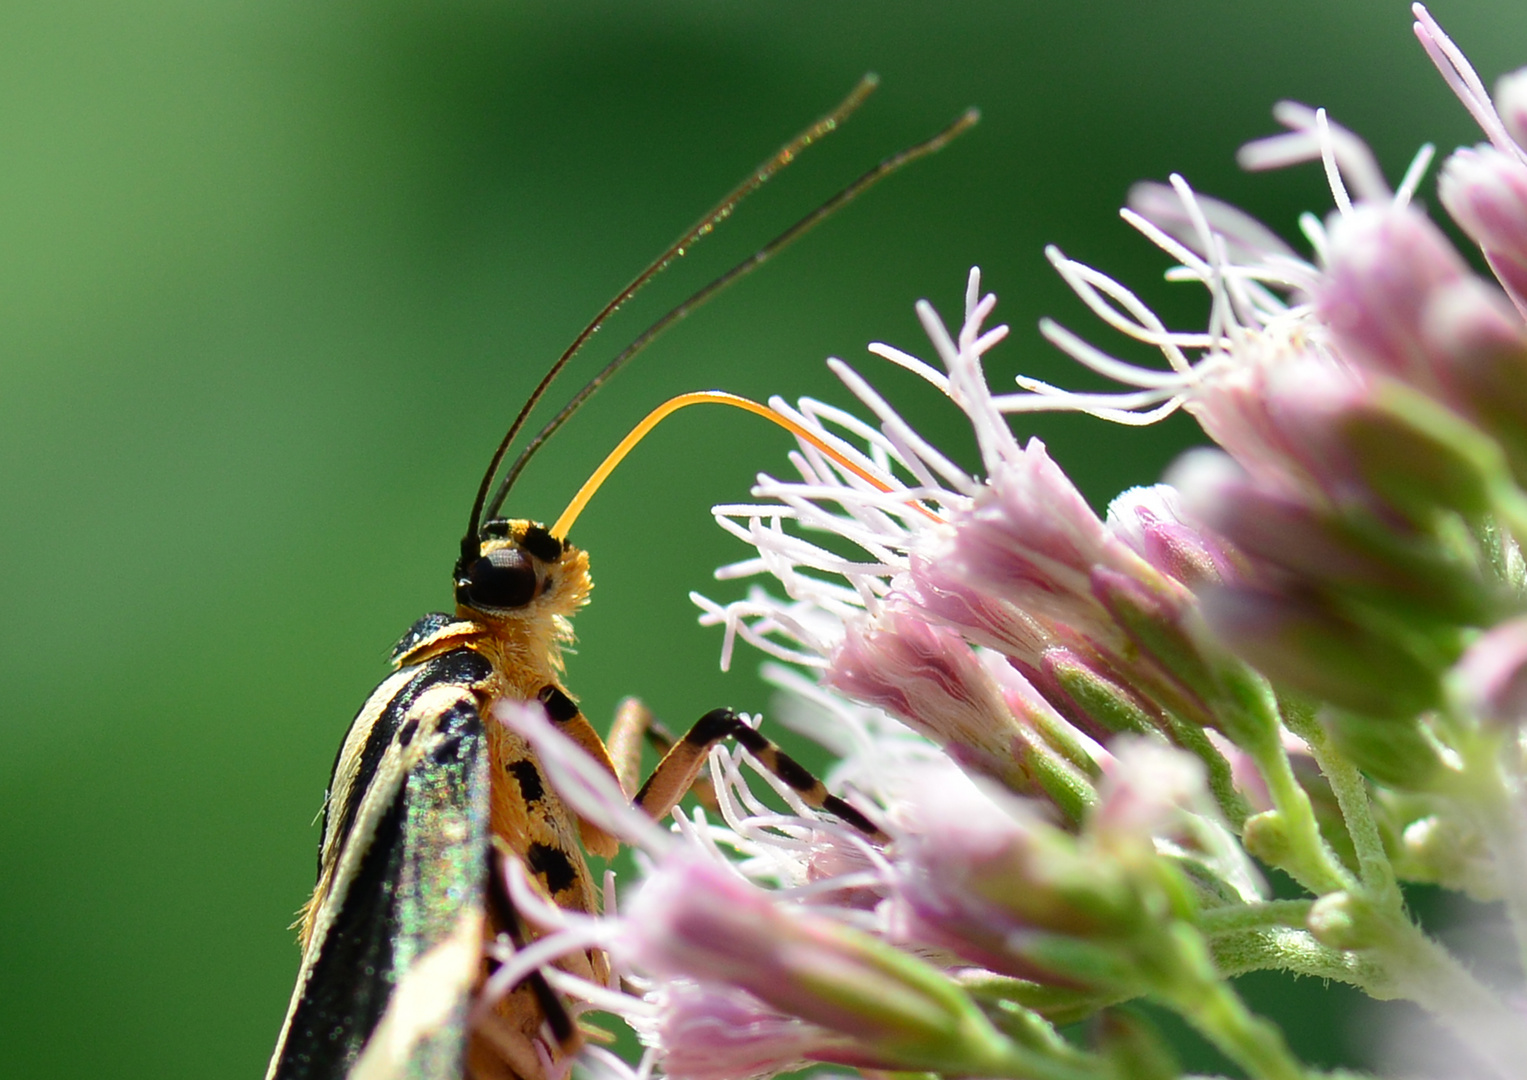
x,y
274,276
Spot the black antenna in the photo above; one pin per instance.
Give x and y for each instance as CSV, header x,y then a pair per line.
x,y
722,210
742,269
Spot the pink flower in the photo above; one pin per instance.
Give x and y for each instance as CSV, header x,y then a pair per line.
x,y
1310,647
943,596
1032,539
716,1032
1492,676
1385,264
695,920
1151,522
1510,99
988,879
930,679
1349,556
1485,191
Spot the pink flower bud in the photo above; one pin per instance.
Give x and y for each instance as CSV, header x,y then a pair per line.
x,y
1485,191
1510,100
1385,262
994,884
1152,793
1384,445
1148,789
1302,402
1311,648
949,599
1352,555
1492,676
714,1032
1470,318
929,678
1151,521
1232,408
1485,342
1033,540
694,919
1086,691
1166,629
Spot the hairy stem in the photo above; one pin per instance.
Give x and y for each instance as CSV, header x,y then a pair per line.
x,y
1234,917
1311,861
1200,996
1502,816
1351,793
1433,978
1298,953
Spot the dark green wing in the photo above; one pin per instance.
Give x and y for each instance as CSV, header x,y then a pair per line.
x,y
396,943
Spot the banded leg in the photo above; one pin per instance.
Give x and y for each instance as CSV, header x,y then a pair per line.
x,y
634,726
679,767
564,712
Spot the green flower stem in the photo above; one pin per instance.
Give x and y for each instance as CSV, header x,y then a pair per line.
x,y
1029,1029
974,1047
1057,1004
1374,867
1250,717
1297,952
1310,859
964,1041
1402,963
1253,1043
1196,992
1500,815
1429,975
1020,1063
1231,802
1233,917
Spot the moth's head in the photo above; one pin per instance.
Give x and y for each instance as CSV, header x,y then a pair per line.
x,y
520,570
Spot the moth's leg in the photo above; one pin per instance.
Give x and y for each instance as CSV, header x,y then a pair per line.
x,y
564,712
679,767
634,725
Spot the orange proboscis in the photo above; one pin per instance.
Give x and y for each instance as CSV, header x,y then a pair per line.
x,y
712,397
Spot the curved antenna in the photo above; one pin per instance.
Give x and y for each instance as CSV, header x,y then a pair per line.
x,y
711,397
719,213
742,269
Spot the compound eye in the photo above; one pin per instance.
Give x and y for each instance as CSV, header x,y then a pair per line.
x,y
501,579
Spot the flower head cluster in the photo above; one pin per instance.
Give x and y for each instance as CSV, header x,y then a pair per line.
x,y
1079,734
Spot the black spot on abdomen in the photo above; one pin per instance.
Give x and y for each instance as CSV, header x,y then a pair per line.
x,y
559,706
528,777
551,865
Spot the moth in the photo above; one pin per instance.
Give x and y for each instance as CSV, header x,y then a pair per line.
x,y
428,796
